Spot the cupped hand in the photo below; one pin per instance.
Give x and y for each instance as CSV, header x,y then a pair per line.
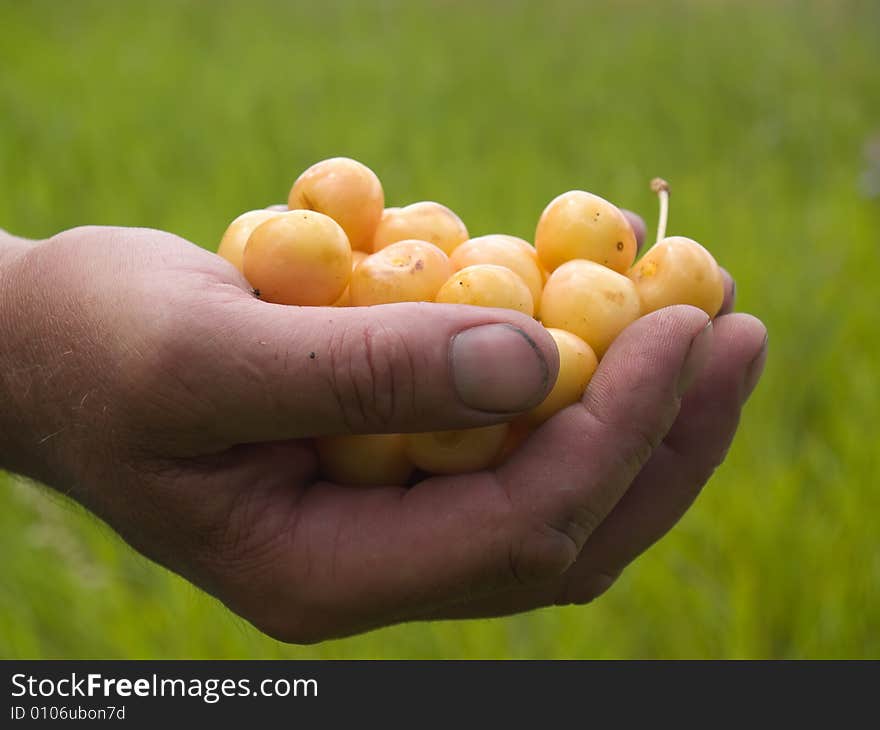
x,y
140,375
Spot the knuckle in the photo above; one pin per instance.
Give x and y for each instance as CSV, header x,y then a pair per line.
x,y
74,234
372,375
644,441
546,551
629,437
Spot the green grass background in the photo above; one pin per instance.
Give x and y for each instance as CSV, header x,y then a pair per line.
x,y
181,115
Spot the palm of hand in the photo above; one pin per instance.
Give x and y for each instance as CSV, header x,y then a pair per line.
x,y
182,406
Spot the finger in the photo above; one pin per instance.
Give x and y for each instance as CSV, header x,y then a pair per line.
x,y
729,301
179,513
279,372
638,226
574,469
339,561
695,445
368,557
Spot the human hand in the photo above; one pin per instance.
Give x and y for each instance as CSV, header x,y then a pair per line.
x,y
141,376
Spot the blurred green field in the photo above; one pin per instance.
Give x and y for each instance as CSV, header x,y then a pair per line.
x,y
181,115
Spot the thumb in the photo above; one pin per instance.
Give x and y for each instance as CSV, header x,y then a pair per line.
x,y
306,371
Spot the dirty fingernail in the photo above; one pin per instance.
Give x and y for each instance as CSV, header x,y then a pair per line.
x,y
498,368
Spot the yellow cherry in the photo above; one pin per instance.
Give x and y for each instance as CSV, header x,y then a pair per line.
x,y
345,298
346,190
233,242
456,452
370,459
591,301
487,285
577,363
406,271
299,257
424,221
676,270
580,225
516,254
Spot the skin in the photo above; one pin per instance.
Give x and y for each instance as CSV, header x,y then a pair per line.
x,y
518,431
638,226
140,377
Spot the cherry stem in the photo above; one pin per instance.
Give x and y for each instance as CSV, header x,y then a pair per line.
x,y
661,187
